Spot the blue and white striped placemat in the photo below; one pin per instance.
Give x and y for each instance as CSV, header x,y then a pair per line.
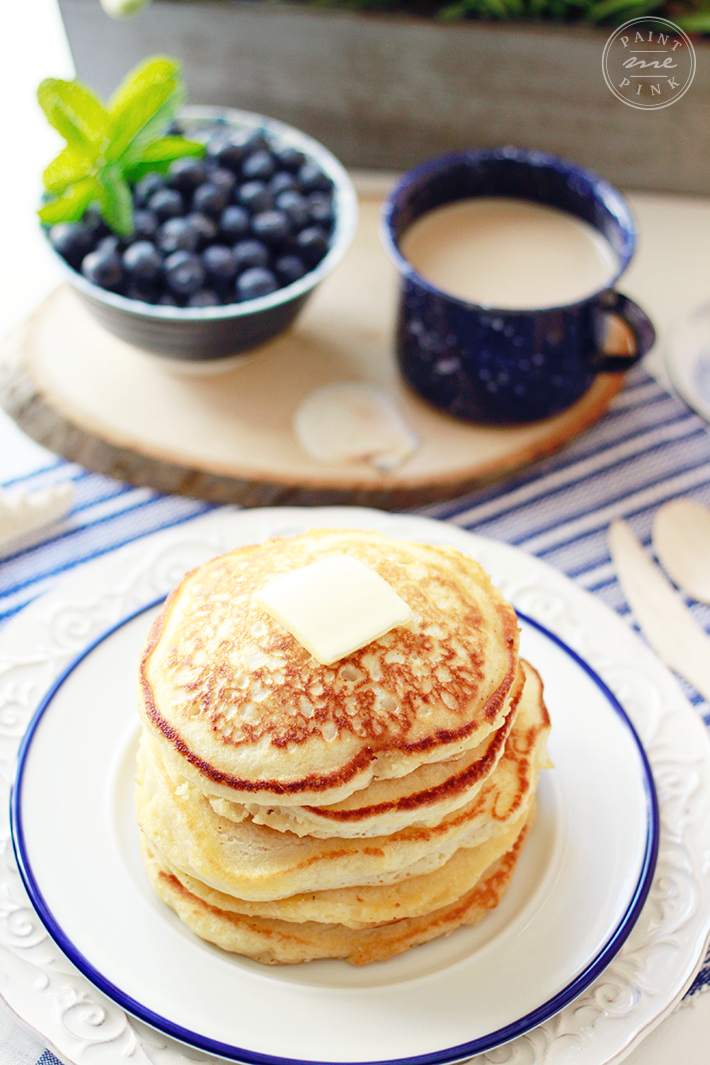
x,y
647,449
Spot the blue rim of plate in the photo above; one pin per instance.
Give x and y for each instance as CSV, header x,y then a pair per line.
x,y
447,1055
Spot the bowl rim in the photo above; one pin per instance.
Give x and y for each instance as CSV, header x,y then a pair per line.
x,y
346,219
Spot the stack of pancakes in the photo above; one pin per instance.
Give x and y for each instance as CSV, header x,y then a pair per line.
x,y
290,810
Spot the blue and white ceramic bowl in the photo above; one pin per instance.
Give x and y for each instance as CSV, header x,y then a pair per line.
x,y
208,336
496,365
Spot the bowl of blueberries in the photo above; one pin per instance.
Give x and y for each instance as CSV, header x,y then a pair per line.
x,y
226,248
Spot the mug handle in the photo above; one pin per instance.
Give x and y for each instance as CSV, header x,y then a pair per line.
x,y
616,305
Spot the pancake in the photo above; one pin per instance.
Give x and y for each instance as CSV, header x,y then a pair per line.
x,y
422,797
257,863
279,942
366,906
253,718
291,810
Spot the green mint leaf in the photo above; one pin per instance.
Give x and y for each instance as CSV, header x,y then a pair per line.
x,y
75,112
136,171
143,107
107,147
71,206
156,126
172,148
159,155
157,69
70,165
116,202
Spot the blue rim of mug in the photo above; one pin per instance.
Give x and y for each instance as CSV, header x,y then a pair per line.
x,y
609,197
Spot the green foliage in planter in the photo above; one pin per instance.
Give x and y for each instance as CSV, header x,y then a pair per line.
x,y
691,15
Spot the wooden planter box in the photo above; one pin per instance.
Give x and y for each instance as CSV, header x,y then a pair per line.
x,y
384,91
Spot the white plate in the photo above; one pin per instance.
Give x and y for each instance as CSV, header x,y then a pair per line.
x,y
577,885
575,897
688,360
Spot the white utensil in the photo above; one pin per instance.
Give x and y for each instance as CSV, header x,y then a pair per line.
x,y
681,540
663,617
22,512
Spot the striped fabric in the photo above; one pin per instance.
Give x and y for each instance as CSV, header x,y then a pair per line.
x,y
648,448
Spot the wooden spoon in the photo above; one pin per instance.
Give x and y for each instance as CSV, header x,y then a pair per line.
x,y
681,540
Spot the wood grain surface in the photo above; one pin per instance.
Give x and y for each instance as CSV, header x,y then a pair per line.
x,y
228,437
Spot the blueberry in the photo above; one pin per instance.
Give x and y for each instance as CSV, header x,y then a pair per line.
x,y
225,152
271,227
71,240
250,253
204,226
282,181
109,244
290,159
255,141
289,268
145,224
255,196
142,262
321,208
204,298
103,268
94,220
313,179
311,245
166,299
210,200
230,149
186,174
234,224
249,141
260,166
224,179
167,203
295,206
146,188
177,234
142,291
184,273
220,263
255,282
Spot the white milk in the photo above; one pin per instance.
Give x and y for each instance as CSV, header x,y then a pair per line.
x,y
509,254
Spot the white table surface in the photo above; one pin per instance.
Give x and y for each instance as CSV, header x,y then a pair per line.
x,y
670,276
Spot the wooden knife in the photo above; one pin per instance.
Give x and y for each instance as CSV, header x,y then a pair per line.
x,y
661,613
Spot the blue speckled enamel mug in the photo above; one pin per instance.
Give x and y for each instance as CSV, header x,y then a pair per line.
x,y
502,366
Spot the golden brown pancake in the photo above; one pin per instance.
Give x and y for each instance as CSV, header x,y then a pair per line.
x,y
278,942
257,863
290,810
422,797
369,905
252,717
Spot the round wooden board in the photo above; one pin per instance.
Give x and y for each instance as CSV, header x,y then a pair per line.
x,y
83,393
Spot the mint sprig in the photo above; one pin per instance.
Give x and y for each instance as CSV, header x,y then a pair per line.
x,y
111,145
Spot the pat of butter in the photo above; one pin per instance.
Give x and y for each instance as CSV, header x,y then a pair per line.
x,y
334,607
